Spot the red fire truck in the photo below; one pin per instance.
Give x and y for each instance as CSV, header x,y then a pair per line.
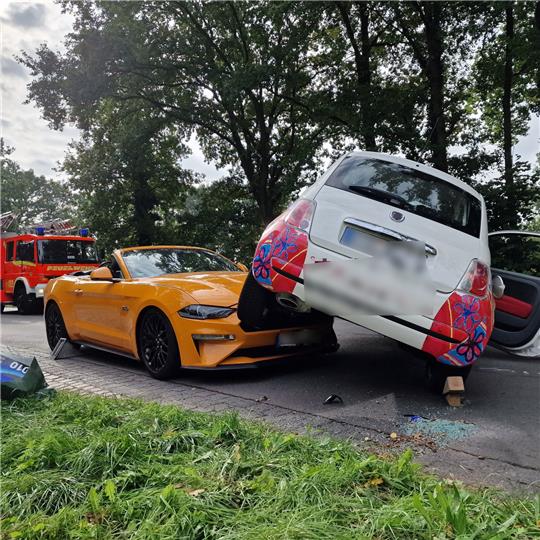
x,y
29,260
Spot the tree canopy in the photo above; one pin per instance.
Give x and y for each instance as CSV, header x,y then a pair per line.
x,y
272,89
32,198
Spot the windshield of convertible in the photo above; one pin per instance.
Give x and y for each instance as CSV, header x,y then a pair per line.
x,y
412,190
143,263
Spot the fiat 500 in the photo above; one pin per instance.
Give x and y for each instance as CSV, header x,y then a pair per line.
x,y
367,207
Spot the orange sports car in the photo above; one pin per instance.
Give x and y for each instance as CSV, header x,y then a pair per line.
x,y
172,306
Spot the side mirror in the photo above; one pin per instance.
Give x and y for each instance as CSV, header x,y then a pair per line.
x,y
497,286
101,274
242,267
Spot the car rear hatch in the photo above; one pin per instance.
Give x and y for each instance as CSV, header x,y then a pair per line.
x,y
367,201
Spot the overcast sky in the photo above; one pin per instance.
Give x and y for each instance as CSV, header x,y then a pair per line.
x,y
24,26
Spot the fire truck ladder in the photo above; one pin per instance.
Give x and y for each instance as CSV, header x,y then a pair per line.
x,y
54,226
6,220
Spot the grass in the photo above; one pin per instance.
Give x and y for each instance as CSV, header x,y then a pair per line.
x,y
88,467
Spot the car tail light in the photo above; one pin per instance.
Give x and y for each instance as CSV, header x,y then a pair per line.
x,y
300,214
476,279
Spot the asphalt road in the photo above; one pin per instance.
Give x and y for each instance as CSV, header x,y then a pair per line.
x,y
496,432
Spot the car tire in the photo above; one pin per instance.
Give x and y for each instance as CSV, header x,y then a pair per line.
x,y
2,306
157,345
55,327
437,373
253,303
26,303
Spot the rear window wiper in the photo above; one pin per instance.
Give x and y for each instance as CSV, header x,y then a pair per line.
x,y
382,195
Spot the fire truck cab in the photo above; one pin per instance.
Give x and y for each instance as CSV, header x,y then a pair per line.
x,y
28,261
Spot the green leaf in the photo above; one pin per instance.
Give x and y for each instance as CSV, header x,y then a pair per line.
x,y
94,499
110,490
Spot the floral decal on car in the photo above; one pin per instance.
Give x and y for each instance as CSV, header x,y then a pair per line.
x,y
469,351
464,317
467,311
285,244
473,347
279,248
261,263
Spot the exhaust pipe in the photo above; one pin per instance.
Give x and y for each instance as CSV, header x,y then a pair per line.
x,y
292,303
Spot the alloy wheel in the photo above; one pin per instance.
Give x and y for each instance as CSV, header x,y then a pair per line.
x,y
54,326
155,341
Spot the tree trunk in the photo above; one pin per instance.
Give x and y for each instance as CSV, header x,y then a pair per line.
x,y
364,80
507,113
362,54
264,200
435,74
255,163
144,202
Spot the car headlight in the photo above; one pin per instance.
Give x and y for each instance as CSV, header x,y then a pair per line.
x,y
198,311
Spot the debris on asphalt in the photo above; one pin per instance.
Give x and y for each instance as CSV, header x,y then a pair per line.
x,y
417,439
332,398
262,398
440,431
415,417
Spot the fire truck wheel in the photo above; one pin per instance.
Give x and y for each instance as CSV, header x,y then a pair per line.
x,y
25,303
54,325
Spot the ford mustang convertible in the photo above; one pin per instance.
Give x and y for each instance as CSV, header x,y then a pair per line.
x,y
171,306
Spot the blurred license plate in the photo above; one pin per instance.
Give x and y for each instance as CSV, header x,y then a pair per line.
x,y
366,243
298,338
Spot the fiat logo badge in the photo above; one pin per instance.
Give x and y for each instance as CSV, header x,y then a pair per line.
x,y
397,216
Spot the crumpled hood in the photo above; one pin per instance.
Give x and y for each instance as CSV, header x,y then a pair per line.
x,y
209,288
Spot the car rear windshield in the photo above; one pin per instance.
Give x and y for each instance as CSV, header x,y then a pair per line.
x,y
411,190
66,252
156,262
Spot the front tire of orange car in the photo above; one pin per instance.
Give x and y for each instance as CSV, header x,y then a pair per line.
x,y
54,325
157,345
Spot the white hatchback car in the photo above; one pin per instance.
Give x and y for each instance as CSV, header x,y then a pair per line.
x,y
366,204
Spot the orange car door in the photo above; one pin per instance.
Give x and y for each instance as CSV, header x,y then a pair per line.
x,y
104,313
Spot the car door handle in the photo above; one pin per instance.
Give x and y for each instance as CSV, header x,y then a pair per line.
x,y
78,291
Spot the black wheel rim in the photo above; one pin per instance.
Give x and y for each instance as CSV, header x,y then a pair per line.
x,y
154,342
55,326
